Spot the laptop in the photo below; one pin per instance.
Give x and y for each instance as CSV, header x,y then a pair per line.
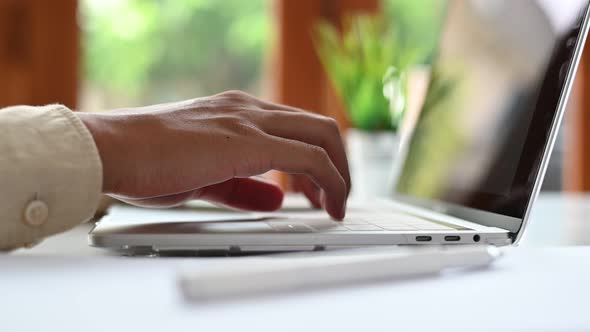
x,y
471,161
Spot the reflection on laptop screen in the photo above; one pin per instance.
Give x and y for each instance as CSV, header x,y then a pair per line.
x,y
478,140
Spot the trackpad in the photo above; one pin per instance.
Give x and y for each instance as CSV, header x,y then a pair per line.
x,y
231,227
282,226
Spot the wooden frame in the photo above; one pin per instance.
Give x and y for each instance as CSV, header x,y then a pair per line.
x,y
39,52
576,177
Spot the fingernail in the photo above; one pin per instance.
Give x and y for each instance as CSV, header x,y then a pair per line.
x,y
343,213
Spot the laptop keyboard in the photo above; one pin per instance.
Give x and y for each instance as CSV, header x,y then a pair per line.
x,y
393,222
366,223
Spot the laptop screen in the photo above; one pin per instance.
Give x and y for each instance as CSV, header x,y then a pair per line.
x,y
478,137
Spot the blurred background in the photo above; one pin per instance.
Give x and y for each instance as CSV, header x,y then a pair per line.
x,y
95,55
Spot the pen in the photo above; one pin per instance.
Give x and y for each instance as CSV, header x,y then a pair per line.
x,y
261,276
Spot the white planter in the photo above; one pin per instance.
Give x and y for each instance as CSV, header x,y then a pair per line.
x,y
371,157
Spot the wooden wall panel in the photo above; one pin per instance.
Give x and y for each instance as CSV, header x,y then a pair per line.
x,y
39,52
576,175
298,77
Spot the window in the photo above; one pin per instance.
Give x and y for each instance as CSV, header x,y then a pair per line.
x,y
139,52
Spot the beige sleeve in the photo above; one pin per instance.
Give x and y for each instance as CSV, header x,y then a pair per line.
x,y
50,174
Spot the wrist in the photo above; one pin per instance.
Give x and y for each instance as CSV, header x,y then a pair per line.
x,y
103,133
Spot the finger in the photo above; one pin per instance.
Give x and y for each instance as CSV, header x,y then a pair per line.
x,y
267,105
297,157
308,188
324,133
244,193
312,129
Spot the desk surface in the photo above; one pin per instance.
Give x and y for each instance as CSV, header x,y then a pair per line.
x,y
63,283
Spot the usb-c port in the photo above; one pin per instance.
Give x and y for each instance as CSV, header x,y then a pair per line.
x,y
452,238
423,238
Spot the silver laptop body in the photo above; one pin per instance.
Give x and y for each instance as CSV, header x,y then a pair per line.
x,y
472,159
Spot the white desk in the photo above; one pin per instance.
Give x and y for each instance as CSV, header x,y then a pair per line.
x,y
64,285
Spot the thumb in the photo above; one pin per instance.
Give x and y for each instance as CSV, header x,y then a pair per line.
x,y
244,193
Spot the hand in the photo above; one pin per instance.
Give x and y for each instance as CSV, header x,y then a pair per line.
x,y
210,148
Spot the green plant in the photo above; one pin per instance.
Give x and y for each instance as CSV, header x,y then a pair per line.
x,y
368,51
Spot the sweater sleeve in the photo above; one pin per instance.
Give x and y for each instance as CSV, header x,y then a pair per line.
x,y
50,174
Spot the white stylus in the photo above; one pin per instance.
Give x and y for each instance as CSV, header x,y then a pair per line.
x,y
254,276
